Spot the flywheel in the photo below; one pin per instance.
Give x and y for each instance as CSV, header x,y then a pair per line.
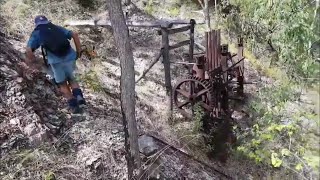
x,y
192,91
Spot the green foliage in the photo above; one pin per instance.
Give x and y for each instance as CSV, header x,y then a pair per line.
x,y
174,11
92,81
198,118
50,176
149,8
277,137
286,27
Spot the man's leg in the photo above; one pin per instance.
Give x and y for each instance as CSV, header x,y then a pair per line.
x,y
60,78
76,90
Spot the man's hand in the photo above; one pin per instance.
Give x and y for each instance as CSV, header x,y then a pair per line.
x,y
78,54
31,66
77,43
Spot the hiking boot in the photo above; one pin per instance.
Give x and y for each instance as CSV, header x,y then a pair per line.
x,y
73,106
77,93
75,110
81,101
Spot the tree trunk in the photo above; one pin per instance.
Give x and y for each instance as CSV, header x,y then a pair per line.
x,y
127,84
127,2
206,14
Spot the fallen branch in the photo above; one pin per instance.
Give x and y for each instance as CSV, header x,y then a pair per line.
x,y
150,66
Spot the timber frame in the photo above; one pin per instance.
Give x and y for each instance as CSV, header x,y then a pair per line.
x,y
165,28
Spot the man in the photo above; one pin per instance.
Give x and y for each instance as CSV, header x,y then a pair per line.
x,y
61,57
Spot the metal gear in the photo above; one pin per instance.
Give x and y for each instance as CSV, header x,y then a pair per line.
x,y
197,91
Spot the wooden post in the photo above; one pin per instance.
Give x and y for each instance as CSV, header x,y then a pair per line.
x,y
166,64
240,75
224,66
191,45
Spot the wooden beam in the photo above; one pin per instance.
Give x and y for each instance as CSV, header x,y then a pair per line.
x,y
150,24
180,44
150,66
178,30
184,63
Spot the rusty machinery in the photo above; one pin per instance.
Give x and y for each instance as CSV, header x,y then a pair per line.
x,y
217,76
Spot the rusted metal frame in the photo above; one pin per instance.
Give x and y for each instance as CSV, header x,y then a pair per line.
x,y
234,65
199,67
223,62
224,79
213,50
180,44
207,52
218,50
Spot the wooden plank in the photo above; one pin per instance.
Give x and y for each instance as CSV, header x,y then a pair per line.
x,y
150,24
178,30
180,44
108,23
219,46
214,50
150,66
209,52
186,63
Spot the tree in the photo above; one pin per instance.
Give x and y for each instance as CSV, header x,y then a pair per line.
x,y
127,2
127,84
206,13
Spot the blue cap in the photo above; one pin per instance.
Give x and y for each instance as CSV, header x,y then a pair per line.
x,y
40,19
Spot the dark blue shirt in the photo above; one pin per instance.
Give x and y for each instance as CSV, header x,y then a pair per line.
x,y
34,43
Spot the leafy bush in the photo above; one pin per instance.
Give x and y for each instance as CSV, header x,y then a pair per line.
x,y
287,28
278,137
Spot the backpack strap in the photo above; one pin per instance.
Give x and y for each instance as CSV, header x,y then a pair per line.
x,y
44,55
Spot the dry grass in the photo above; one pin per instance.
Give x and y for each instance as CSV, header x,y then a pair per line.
x,y
19,14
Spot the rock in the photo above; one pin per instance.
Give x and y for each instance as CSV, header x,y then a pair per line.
x,y
38,138
30,129
51,111
147,145
115,131
19,80
68,116
14,141
15,121
238,115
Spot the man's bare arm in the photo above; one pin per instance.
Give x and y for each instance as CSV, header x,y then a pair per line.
x,y
77,43
30,57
